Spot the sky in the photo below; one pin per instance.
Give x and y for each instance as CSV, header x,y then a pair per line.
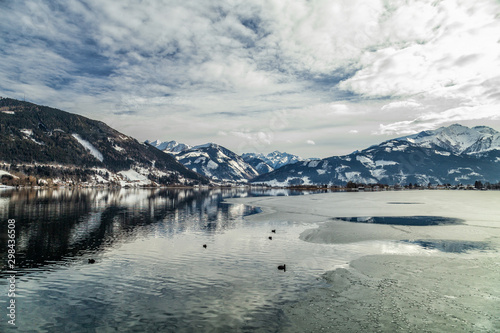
x,y
316,78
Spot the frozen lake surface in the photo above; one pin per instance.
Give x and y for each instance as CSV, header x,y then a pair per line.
x,y
454,287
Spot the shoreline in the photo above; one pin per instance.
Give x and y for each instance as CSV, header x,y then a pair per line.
x,y
439,292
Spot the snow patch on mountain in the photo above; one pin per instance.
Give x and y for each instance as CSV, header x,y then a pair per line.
x,y
378,173
87,145
444,153
132,175
212,165
5,173
313,164
383,163
341,168
367,162
26,131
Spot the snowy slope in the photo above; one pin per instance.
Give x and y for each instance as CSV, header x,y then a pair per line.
x,y
90,147
216,162
458,139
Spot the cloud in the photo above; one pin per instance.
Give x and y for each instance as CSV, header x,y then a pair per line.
x,y
264,72
353,131
429,121
453,50
408,104
310,142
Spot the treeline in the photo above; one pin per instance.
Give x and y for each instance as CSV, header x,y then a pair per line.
x,y
25,175
43,175
351,186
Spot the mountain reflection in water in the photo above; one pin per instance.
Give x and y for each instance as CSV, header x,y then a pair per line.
x,y
63,224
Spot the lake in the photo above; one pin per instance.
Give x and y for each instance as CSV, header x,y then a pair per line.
x,y
151,271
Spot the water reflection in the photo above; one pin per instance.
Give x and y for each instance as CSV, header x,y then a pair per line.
x,y
63,224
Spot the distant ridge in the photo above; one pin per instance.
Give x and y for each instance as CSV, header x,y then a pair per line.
x,y
220,163
211,160
169,146
454,154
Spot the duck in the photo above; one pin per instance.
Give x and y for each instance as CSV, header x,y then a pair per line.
x,y
273,231
91,261
205,246
270,238
282,267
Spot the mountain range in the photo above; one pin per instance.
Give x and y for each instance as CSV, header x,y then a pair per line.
x,y
453,154
61,147
221,164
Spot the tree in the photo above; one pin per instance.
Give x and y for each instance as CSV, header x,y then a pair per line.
x,y
351,185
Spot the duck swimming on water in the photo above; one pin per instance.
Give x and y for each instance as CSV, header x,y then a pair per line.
x,y
91,261
282,267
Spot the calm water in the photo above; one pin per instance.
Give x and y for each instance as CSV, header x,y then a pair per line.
x,y
152,273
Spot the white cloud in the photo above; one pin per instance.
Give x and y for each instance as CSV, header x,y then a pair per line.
x,y
453,58
433,120
408,104
310,142
259,74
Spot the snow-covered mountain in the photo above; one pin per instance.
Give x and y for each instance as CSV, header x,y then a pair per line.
x,y
275,159
257,163
216,162
454,154
55,146
458,139
172,147
242,165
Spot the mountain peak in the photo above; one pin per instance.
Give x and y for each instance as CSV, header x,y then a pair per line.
x,y
217,162
207,145
168,146
457,139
